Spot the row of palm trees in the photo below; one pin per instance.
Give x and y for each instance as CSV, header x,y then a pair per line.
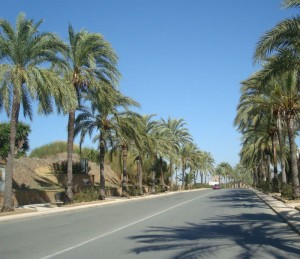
x,y
81,76
268,112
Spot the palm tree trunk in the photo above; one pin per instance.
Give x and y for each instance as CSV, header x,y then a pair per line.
x,y
282,149
255,176
124,178
269,176
71,124
183,176
140,177
8,204
293,153
162,180
171,174
102,175
275,180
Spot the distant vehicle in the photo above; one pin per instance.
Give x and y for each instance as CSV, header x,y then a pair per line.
x,y
216,186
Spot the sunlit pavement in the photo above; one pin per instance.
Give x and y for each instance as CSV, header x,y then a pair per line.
x,y
287,211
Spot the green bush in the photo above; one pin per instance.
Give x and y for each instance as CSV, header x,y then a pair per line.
x,y
89,194
160,188
133,190
175,188
201,185
61,167
51,149
266,187
91,154
275,185
287,191
22,142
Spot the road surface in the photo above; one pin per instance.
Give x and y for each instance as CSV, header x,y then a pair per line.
x,y
198,224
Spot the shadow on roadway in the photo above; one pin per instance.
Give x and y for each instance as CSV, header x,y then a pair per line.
x,y
244,235
238,198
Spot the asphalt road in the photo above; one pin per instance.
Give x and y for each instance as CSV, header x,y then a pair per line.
x,y
198,224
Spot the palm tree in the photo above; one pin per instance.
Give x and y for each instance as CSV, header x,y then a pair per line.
x,y
149,143
24,51
92,62
161,148
179,136
187,153
277,99
291,3
126,136
107,106
206,163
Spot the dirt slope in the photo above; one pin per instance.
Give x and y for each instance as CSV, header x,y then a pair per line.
x,y
36,172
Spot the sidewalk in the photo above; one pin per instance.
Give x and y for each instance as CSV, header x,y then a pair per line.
x,y
35,210
289,212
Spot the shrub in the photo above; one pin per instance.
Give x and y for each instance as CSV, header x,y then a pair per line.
x,y
133,190
175,188
287,191
160,188
91,154
89,194
266,187
61,167
51,149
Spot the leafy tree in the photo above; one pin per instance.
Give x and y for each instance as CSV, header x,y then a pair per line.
x,y
205,163
22,143
105,115
179,135
187,155
92,64
24,51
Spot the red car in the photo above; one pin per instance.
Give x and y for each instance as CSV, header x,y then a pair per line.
x,y
216,186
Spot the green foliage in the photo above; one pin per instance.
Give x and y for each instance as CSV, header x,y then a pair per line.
x,y
160,188
91,154
89,194
50,149
200,185
22,143
287,191
133,190
62,167
266,187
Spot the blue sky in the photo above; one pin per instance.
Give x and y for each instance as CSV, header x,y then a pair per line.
x,y
178,58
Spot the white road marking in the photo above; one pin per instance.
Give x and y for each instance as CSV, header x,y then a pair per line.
x,y
118,229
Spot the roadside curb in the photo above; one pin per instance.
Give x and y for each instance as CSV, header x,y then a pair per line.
x,y
284,201
289,214
47,210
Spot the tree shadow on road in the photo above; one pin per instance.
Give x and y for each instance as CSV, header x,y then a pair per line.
x,y
238,198
244,236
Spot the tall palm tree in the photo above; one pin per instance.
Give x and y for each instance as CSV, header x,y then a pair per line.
x,y
92,61
126,135
280,94
149,142
24,51
262,103
107,105
187,153
279,48
206,163
179,136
